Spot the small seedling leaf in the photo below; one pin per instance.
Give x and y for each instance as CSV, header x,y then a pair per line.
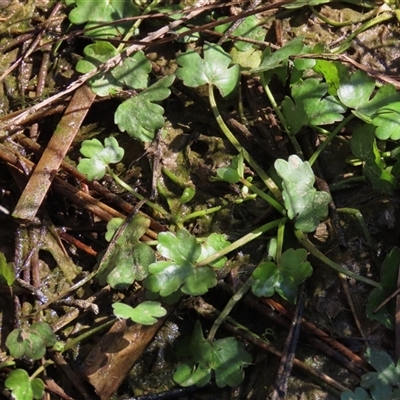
x,y
233,173
145,313
226,174
212,69
96,12
139,116
303,202
187,195
7,273
100,156
311,106
126,260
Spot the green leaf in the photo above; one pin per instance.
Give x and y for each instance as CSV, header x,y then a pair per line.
x,y
19,383
214,243
226,357
389,272
126,260
266,277
133,73
139,116
233,173
145,313
246,59
100,156
112,226
283,278
94,55
356,92
302,3
387,122
230,358
249,28
279,58
311,106
182,248
381,361
132,268
166,277
31,341
44,331
187,195
96,12
179,272
213,69
363,145
37,388
294,270
302,201
334,73
7,273
358,394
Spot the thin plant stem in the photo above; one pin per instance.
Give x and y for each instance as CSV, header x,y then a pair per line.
x,y
279,240
360,219
228,308
281,117
240,242
329,138
175,179
154,206
337,24
209,211
385,16
136,25
316,253
270,200
269,183
41,369
87,334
